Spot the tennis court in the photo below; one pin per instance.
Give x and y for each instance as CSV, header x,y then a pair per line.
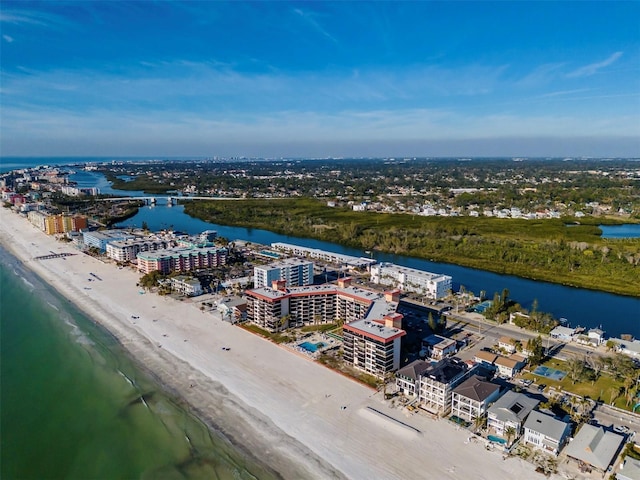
x,y
551,373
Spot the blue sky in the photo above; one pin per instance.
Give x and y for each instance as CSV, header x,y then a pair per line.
x,y
318,79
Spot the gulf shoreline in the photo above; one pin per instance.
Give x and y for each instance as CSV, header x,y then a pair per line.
x,y
283,410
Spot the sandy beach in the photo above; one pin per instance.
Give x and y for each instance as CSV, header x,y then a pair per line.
x,y
280,406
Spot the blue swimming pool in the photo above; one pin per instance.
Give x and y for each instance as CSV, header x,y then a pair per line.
x,y
312,347
493,438
268,253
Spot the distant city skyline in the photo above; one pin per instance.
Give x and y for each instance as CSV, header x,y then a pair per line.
x,y
320,79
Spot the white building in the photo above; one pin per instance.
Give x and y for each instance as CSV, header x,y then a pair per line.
x,y
127,250
296,272
438,381
545,432
438,347
186,286
510,410
100,238
472,397
325,256
433,285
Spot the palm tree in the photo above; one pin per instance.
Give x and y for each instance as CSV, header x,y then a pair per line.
x,y
510,432
479,422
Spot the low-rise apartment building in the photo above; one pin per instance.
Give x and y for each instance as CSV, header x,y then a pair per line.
x,y
432,285
100,238
181,259
331,257
127,250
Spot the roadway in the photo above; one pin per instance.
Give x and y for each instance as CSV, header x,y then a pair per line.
x,y
475,323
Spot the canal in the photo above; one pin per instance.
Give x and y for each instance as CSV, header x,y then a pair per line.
x,y
616,314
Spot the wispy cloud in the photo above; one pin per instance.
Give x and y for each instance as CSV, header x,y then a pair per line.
x,y
564,93
541,75
29,17
593,68
183,85
309,17
7,38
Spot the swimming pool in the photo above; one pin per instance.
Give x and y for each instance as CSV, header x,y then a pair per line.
x,y
493,438
270,254
312,347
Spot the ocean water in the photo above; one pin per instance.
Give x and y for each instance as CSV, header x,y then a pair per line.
x,y
75,406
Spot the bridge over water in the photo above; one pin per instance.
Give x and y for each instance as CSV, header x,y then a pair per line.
x,y
168,200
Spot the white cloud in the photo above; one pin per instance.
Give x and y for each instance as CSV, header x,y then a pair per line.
x,y
309,18
593,68
7,38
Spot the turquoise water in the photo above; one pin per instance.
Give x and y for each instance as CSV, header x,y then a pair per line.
x,y
74,406
495,439
312,347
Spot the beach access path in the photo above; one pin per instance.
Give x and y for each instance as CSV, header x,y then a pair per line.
x,y
296,416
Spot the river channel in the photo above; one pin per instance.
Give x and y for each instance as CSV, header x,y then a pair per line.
x,y
616,314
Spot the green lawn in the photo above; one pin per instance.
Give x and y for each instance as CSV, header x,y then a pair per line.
x,y
600,390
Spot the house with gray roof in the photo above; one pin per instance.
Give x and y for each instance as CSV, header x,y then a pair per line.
x,y
510,410
470,399
545,432
408,377
629,469
595,447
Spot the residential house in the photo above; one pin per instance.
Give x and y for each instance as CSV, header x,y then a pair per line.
x,y
509,366
485,358
510,410
595,447
186,285
628,347
438,381
546,432
438,347
507,344
565,334
596,336
408,377
629,469
472,397
233,309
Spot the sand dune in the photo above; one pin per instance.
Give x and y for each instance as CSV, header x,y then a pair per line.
x,y
280,406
